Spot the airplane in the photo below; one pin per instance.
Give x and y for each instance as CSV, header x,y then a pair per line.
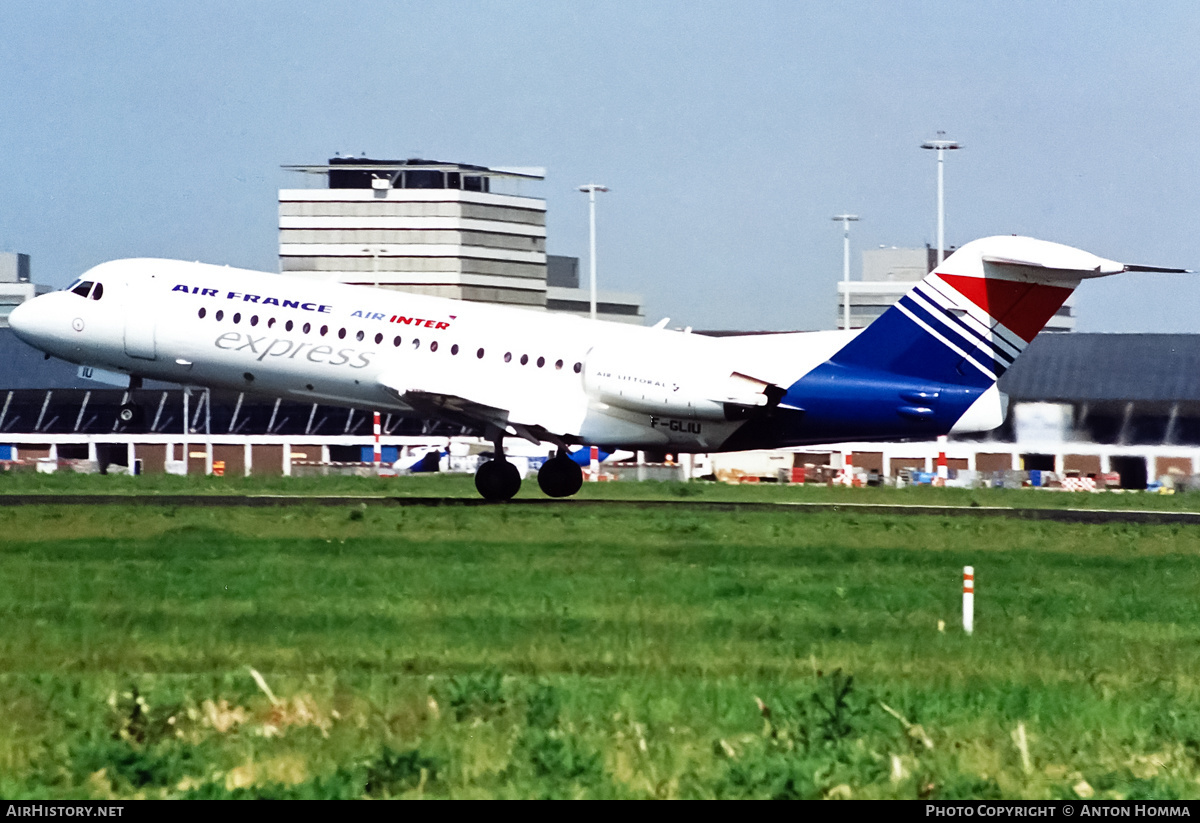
x,y
927,366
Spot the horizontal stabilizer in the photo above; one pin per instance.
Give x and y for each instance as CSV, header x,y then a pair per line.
x,y
1105,267
1051,262
1065,268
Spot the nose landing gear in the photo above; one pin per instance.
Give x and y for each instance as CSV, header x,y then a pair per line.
x,y
130,413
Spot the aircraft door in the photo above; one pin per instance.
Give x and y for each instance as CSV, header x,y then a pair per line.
x,y
139,324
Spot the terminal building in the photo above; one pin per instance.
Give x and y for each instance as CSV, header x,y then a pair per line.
x,y
441,229
888,274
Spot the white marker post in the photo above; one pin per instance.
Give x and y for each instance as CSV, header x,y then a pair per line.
x,y
969,599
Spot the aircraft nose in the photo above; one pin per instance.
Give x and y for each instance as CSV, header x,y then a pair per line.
x,y
33,320
21,320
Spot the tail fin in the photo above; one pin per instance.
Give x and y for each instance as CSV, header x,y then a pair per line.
x,y
969,319
930,363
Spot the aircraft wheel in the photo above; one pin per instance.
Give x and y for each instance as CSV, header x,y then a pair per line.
x,y
130,414
497,480
560,477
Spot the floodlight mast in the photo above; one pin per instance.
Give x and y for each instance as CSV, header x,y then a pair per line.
x,y
941,145
591,189
846,219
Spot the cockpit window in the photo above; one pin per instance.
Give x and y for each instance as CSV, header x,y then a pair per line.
x,y
88,288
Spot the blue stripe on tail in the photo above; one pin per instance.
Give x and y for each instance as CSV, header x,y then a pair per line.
x,y
897,344
894,381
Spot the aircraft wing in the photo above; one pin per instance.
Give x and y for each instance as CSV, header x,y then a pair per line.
x,y
481,403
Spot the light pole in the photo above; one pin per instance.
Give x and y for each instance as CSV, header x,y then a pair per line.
x,y
591,189
846,219
941,145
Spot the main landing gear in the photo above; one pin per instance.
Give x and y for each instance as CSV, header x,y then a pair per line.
x,y
560,476
498,479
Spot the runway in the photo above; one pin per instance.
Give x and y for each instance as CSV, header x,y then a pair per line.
x,y
1066,515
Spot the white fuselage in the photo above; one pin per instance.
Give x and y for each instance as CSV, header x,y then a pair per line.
x,y
581,380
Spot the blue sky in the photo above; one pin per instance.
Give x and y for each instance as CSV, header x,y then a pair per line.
x,y
729,133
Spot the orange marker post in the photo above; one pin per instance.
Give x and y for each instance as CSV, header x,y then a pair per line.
x,y
845,477
943,468
378,451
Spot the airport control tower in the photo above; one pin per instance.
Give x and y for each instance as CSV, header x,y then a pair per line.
x,y
434,228
419,226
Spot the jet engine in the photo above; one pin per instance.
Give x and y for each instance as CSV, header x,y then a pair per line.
x,y
674,382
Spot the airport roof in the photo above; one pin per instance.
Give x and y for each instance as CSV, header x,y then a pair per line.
x,y
368,164
1107,367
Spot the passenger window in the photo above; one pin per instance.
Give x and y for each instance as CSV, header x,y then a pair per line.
x,y
254,320
479,354
433,346
237,318
524,359
578,368
307,328
416,343
203,312
558,365
288,325
271,323
220,315
341,334
359,336
378,339
396,342
324,330
508,357
541,362
454,349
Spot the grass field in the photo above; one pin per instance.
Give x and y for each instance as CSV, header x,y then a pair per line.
x,y
462,486
517,651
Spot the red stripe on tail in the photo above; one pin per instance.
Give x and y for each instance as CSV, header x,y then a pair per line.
x,y
1025,308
